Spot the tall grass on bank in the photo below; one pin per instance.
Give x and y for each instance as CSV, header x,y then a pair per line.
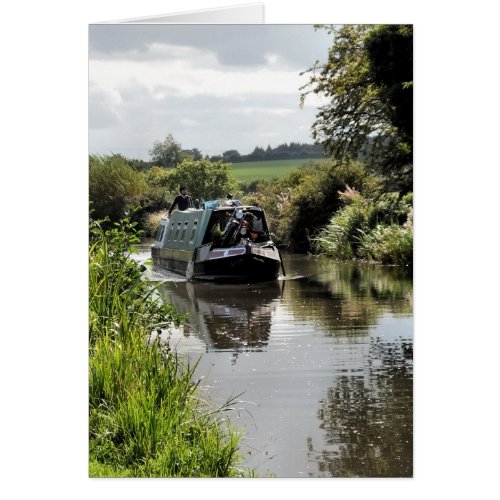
x,y
370,229
146,415
151,223
388,244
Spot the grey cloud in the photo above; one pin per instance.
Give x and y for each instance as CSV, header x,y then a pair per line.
x,y
299,46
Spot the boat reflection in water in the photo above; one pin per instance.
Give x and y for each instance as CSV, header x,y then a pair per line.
x,y
232,317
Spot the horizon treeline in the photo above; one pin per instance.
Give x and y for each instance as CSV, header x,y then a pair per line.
x,y
285,151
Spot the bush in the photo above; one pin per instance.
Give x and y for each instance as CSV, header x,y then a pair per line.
x,y
151,223
303,202
388,244
368,228
114,186
340,239
203,178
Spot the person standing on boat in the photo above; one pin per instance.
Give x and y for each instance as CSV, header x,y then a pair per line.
x,y
183,200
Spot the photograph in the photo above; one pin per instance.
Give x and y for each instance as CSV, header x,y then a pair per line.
x,y
250,250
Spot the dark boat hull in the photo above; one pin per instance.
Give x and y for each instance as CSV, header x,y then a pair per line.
x,y
242,268
252,266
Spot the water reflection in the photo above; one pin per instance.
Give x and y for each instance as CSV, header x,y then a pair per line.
x,y
326,359
350,297
226,317
368,418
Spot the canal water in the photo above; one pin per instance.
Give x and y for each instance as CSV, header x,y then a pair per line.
x,y
320,364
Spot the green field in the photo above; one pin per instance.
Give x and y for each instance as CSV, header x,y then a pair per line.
x,y
270,169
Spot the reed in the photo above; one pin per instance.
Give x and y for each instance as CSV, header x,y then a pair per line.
x,y
146,413
151,223
340,238
370,229
388,244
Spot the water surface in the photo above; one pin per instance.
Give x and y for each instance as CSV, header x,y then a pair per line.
x,y
323,361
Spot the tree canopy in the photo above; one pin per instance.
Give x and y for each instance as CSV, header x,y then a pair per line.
x,y
167,153
203,178
367,82
113,186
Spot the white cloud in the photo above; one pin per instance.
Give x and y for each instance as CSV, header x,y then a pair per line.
x,y
140,93
190,71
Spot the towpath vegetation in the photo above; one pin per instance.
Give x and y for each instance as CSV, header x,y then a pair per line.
x,y
147,416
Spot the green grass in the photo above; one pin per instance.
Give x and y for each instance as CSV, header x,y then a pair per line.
x,y
365,229
388,244
147,417
267,170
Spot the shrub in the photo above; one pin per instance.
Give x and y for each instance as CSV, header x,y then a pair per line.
x,y
340,239
151,223
114,186
360,228
388,244
304,201
204,179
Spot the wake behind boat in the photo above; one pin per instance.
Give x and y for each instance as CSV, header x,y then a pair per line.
x,y
217,243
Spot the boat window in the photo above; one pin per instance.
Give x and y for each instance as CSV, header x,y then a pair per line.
x,y
193,232
184,231
176,237
160,236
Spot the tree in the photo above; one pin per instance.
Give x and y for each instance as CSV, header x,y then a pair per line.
x,y
167,153
194,153
156,177
231,156
113,186
257,154
367,81
203,178
197,154
390,55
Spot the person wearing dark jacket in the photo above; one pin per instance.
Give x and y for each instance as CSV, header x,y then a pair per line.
x,y
183,201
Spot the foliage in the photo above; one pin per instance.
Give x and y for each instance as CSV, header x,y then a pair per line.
x,y
114,186
390,55
340,238
151,223
114,275
231,156
194,153
203,178
304,200
367,83
292,151
167,153
157,177
136,164
370,228
146,418
388,244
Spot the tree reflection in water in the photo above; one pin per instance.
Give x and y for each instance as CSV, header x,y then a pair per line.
x,y
368,419
333,344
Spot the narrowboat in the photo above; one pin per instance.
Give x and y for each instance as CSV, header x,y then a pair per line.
x,y
218,243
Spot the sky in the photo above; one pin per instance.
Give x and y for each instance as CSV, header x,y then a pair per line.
x,y
213,87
